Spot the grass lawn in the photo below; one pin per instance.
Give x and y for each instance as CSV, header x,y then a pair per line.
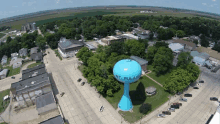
x,y
57,54
34,64
161,79
12,71
2,35
4,104
152,102
81,67
3,123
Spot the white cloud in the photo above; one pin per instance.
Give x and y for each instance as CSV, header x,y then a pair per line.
x,y
31,3
214,0
204,4
57,1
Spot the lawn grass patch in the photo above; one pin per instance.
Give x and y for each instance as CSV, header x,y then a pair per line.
x,y
34,64
4,104
152,102
12,71
81,67
57,54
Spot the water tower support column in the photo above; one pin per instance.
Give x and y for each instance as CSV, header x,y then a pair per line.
x,y
125,103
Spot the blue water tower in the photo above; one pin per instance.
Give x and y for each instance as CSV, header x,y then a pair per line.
x,y
126,71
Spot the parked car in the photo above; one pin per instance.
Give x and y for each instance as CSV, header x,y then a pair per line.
x,y
79,79
161,116
195,87
13,77
201,81
82,83
213,99
180,104
183,99
166,112
188,95
171,109
175,106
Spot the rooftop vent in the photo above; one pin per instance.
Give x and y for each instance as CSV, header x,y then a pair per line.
x,y
32,82
26,86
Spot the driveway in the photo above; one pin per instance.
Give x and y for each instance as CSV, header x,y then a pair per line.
x,y
80,104
199,108
26,65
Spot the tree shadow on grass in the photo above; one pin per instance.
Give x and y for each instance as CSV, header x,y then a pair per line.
x,y
138,96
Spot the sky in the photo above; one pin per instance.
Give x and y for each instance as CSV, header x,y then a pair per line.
x,y
10,8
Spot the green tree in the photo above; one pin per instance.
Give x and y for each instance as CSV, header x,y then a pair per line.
x,y
133,47
162,61
41,42
204,41
178,80
180,33
84,54
9,39
151,51
184,58
194,71
196,42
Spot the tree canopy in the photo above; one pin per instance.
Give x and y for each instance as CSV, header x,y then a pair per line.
x,y
184,58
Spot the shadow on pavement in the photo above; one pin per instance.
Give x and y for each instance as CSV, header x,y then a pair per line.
x,y
54,87
210,118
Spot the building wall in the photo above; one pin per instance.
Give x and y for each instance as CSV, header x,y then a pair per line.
x,y
144,67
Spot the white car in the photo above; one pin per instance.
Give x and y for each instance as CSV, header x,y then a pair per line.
x,y
171,109
161,116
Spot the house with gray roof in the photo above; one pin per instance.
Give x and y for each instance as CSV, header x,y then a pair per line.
x,y
141,61
15,60
188,46
14,55
3,73
36,55
23,52
68,48
34,50
46,103
55,120
4,60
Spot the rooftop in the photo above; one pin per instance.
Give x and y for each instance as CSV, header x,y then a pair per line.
x,y
139,60
55,120
33,73
33,69
184,42
34,50
150,89
67,43
44,100
31,83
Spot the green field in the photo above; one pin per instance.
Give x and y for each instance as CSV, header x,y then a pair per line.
x,y
2,35
4,104
161,79
152,102
12,71
34,64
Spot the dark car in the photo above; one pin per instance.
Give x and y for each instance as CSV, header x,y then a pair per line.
x,y
180,104
195,87
82,83
175,106
79,79
166,112
201,81
188,95
213,99
13,77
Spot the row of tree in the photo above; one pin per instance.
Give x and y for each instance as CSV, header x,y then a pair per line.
x,y
3,28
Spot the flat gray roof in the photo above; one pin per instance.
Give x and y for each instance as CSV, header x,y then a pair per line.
x,y
67,43
31,83
139,60
55,120
33,69
33,73
44,100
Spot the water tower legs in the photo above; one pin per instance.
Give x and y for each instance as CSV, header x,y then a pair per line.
x,y
125,103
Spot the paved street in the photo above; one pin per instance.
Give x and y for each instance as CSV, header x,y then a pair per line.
x,y
198,108
80,104
6,83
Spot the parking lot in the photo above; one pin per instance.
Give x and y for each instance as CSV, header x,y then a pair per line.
x,y
198,108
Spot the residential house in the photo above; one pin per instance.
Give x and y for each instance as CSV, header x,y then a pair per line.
x,y
35,54
68,48
129,36
188,46
23,52
3,73
16,62
14,55
193,37
27,90
142,62
111,39
4,60
90,46
200,59
55,120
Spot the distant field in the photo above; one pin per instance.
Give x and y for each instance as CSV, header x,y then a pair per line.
x,y
81,13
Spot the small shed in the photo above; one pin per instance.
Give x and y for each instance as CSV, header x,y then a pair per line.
x,y
141,61
4,60
150,90
3,73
